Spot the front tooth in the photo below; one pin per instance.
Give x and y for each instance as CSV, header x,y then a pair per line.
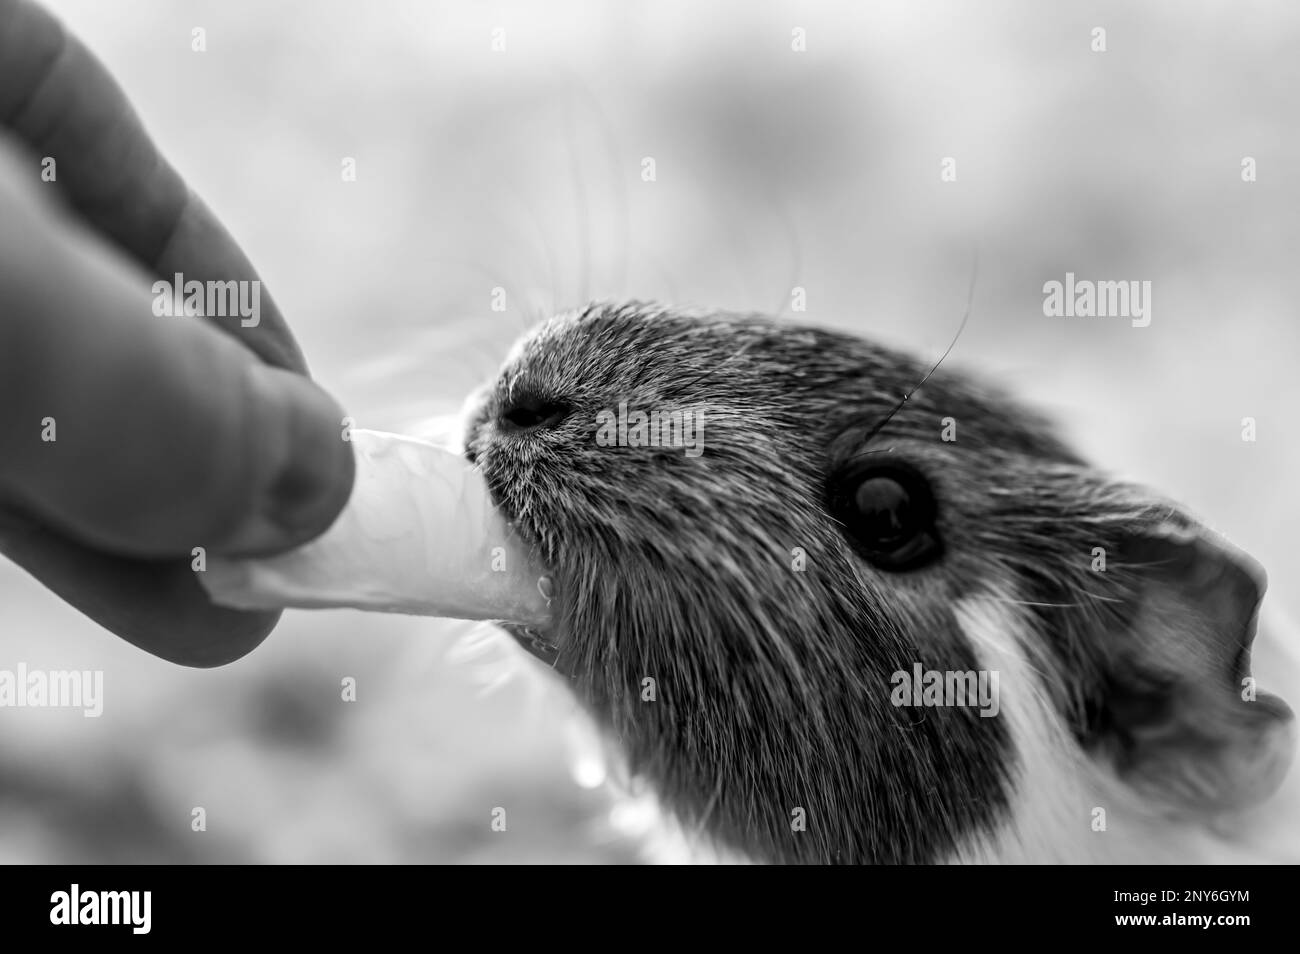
x,y
419,535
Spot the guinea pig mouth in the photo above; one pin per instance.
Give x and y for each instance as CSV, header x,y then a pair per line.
x,y
537,642
540,642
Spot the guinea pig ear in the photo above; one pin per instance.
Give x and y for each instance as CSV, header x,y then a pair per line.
x,y
1179,712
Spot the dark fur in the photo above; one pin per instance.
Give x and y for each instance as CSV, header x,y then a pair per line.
x,y
773,685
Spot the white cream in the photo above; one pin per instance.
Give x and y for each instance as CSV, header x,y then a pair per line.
x,y
419,535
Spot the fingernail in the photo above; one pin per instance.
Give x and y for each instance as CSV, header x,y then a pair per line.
x,y
309,467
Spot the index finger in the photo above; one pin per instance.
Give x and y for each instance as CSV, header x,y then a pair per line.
x,y
58,99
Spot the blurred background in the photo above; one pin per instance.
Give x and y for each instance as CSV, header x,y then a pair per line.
x,y
521,169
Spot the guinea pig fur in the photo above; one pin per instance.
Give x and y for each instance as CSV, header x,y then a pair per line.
x,y
879,630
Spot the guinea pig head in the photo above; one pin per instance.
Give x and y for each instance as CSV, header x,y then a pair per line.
x,y
830,627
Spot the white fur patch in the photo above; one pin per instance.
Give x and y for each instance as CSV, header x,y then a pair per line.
x,y
1059,793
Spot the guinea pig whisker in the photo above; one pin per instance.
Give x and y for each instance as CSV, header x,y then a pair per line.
x,y
970,298
613,161
582,211
1011,602
548,257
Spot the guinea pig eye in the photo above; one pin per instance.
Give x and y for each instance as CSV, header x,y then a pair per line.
x,y
888,513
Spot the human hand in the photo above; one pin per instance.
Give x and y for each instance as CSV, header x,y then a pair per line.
x,y
129,439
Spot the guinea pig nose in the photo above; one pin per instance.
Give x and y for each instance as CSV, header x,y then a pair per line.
x,y
531,414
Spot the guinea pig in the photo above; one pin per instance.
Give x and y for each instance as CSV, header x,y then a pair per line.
x,y
832,617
